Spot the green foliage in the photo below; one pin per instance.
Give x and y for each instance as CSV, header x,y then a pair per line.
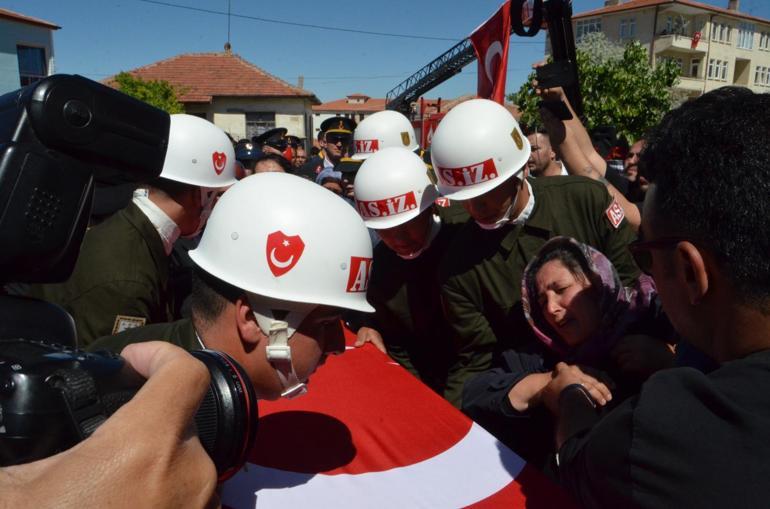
x,y
618,87
160,94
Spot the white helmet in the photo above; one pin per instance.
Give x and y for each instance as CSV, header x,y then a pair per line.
x,y
381,130
392,187
477,146
199,153
271,235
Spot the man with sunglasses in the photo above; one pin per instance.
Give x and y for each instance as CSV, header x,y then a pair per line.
x,y
121,279
335,137
693,438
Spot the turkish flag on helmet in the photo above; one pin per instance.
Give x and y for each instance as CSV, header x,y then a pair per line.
x,y
490,41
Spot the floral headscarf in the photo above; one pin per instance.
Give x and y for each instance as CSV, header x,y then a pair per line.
x,y
619,306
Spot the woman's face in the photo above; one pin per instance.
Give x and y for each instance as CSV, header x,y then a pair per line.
x,y
568,304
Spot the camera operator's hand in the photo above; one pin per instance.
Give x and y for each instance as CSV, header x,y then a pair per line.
x,y
145,455
564,375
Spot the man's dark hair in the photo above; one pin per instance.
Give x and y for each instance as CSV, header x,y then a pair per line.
x,y
286,165
710,163
209,296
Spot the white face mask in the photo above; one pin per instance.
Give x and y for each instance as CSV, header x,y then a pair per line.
x,y
500,222
279,332
435,226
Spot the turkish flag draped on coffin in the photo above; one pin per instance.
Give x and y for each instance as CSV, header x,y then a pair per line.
x,y
490,41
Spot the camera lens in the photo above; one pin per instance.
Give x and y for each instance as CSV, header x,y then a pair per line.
x,y
227,418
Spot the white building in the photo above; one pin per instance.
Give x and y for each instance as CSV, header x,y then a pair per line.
x,y
26,50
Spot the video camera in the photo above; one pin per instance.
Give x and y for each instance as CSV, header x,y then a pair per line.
x,y
60,137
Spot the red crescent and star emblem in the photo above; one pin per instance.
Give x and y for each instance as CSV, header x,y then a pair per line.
x,y
220,160
283,252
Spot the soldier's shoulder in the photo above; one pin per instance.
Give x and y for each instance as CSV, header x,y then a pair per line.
x,y
180,333
567,184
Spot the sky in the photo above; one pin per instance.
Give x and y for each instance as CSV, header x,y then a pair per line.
x,y
100,38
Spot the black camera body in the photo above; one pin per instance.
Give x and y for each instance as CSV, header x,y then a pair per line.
x,y
59,138
52,397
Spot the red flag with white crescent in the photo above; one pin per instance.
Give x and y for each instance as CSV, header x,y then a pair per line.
x,y
490,41
369,434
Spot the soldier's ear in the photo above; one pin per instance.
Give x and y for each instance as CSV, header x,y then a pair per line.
x,y
246,322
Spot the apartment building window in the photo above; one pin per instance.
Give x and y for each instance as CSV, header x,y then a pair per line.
x,y
694,67
259,122
762,76
32,65
764,40
745,35
587,26
627,28
717,69
720,32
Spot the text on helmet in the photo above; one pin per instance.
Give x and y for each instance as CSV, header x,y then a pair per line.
x,y
468,175
388,206
367,146
358,278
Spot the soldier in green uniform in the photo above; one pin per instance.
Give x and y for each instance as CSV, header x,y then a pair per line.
x,y
270,282
396,197
121,277
478,154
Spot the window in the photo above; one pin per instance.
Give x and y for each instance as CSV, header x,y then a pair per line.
x,y
764,40
587,26
694,67
717,69
32,65
720,32
725,33
258,123
762,76
627,28
745,35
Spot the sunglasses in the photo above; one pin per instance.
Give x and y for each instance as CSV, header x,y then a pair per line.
x,y
641,250
335,139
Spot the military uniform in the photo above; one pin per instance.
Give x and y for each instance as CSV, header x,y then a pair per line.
x,y
120,279
181,333
407,300
482,270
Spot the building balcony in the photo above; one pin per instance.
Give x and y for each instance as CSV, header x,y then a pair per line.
x,y
680,43
690,84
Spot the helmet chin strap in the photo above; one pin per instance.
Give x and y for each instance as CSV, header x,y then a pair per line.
x,y
278,332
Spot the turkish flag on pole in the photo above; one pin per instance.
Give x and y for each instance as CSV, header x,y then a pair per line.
x,y
490,41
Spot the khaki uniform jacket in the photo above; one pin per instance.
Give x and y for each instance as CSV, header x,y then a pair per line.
x,y
120,279
482,270
180,333
406,296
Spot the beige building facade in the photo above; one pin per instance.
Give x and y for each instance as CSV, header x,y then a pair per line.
x,y
713,46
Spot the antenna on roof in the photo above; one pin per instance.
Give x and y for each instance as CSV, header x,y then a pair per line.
x,y
228,46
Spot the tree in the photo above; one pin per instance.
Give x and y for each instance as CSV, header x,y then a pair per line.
x,y
618,86
158,93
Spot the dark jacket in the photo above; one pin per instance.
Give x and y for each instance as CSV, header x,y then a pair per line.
x,y
180,333
481,273
406,297
120,279
688,439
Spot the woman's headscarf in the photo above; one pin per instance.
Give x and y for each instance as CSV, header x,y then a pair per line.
x,y
619,306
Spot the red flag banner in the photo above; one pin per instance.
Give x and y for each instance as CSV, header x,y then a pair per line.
x,y
490,41
695,40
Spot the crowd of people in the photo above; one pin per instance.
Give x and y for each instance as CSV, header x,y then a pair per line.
x,y
602,307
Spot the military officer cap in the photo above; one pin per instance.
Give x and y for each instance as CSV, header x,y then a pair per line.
x,y
341,125
247,151
293,141
275,138
348,165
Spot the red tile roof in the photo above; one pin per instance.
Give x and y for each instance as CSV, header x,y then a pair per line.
x,y
342,105
639,4
202,76
29,20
